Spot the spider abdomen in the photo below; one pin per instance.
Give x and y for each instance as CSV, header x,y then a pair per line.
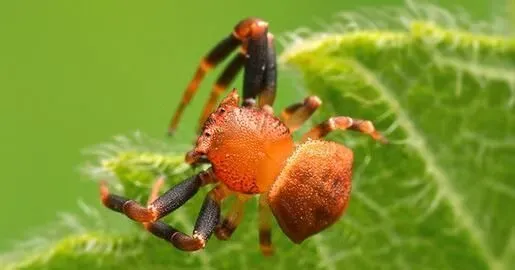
x,y
313,189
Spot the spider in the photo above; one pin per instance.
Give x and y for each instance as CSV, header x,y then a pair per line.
x,y
305,185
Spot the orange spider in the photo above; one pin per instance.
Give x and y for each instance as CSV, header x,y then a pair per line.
x,y
305,186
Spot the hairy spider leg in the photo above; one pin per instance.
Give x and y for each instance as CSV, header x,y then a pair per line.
x,y
296,114
226,78
255,75
269,84
172,199
208,219
211,60
161,206
343,123
266,91
256,57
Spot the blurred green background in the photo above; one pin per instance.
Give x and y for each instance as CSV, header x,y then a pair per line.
x,y
75,73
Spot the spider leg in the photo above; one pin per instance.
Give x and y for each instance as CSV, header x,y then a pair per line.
x,y
260,74
296,114
256,66
259,59
207,220
267,90
213,58
343,123
269,84
160,206
265,232
229,224
226,78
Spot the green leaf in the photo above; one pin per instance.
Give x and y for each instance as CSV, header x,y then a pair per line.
x,y
510,5
440,196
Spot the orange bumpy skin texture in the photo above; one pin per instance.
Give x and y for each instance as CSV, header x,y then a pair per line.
x,y
247,147
313,190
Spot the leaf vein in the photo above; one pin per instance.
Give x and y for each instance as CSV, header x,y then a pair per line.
x,y
418,142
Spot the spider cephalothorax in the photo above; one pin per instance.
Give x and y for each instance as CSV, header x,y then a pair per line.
x,y
255,142
305,185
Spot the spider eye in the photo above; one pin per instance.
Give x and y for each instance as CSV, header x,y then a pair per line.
x,y
222,110
207,134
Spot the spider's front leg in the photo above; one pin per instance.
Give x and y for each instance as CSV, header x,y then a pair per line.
x,y
211,60
260,71
257,57
161,206
171,200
